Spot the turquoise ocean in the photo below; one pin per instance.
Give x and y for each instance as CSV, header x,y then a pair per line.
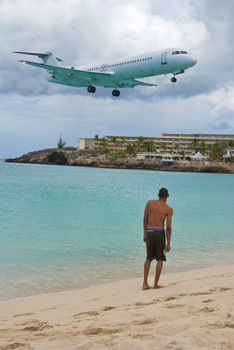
x,y
70,227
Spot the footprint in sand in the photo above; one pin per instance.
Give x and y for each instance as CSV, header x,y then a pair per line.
x,y
220,289
27,314
174,306
86,313
13,346
108,308
219,325
207,309
200,293
207,300
100,330
170,297
35,326
144,321
140,303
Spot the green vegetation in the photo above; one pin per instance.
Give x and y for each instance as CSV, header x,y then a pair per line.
x,y
70,149
61,143
217,151
119,147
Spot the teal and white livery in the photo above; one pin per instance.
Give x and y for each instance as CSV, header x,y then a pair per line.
x,y
115,74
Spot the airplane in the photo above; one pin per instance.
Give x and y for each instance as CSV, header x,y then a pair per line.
x,y
116,74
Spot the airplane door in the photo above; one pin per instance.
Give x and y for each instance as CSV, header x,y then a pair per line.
x,y
164,58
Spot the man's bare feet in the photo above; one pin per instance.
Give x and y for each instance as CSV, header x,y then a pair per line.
x,y
157,286
145,286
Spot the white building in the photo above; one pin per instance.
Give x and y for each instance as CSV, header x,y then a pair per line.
x,y
229,154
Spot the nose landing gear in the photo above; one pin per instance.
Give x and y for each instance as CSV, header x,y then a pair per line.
x,y
173,80
91,89
115,93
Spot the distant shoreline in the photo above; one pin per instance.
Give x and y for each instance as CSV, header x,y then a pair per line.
x,y
55,156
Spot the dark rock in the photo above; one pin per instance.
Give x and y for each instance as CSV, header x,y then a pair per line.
x,y
58,158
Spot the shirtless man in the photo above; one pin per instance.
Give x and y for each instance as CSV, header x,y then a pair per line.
x,y
157,242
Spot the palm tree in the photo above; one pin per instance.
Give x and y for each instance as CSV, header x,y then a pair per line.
x,y
131,148
183,153
149,146
113,140
217,151
140,142
195,145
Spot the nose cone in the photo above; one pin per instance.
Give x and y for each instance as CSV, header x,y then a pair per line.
x,y
192,61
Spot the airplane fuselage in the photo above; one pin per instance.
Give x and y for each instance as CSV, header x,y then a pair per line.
x,y
117,73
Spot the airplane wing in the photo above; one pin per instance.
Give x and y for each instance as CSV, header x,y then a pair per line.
x,y
69,72
130,83
104,79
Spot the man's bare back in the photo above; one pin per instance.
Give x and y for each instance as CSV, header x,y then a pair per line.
x,y
156,212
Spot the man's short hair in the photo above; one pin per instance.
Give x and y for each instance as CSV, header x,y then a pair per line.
x,y
163,192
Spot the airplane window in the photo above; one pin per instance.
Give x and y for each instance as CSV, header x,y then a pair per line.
x,y
184,52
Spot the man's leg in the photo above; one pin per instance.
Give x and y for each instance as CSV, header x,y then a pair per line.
x,y
146,274
158,273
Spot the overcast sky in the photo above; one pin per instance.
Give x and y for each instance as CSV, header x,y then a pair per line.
x,y
34,112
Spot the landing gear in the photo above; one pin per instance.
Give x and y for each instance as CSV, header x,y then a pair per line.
x,y
91,89
173,80
115,93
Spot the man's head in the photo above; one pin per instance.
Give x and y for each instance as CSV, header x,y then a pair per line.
x,y
163,193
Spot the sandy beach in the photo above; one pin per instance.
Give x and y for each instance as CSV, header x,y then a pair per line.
x,y
194,310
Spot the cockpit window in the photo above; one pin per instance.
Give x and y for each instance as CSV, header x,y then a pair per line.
x,y
179,52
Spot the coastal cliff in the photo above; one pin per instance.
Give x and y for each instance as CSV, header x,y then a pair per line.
x,y
55,156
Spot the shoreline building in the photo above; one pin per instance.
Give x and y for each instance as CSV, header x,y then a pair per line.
x,y
180,146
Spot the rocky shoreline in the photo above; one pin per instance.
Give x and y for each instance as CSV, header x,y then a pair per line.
x,y
93,159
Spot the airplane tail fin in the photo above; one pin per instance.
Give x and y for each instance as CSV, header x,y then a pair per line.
x,y
47,57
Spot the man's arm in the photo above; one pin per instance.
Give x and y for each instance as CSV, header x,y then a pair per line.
x,y
145,221
168,229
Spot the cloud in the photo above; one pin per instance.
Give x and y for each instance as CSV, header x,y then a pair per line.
x,y
34,112
39,121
